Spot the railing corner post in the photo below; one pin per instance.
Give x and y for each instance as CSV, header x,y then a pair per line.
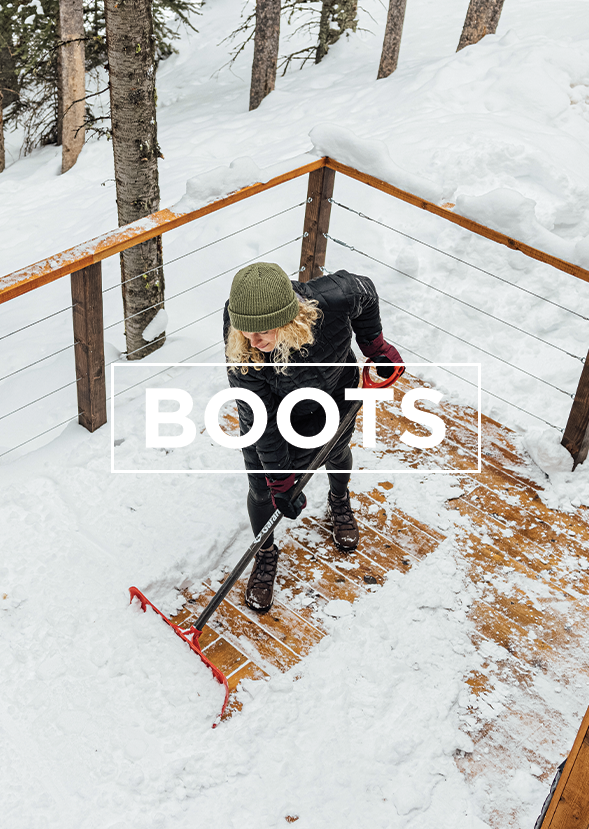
x,y
576,433
88,322
317,215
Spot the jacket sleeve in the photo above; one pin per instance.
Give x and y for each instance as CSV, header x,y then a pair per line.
x,y
271,447
360,300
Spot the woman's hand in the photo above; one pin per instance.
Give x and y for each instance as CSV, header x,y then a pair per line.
x,y
383,354
281,492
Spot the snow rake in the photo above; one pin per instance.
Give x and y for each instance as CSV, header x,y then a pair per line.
x,y
192,636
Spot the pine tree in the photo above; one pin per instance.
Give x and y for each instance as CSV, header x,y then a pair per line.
x,y
29,61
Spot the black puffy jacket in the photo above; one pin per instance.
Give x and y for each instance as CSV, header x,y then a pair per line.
x,y
350,305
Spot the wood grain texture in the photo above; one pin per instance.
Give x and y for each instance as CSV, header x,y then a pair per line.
x,y
317,215
575,433
88,324
526,573
569,807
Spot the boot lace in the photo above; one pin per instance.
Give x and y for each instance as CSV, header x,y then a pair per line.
x,y
341,510
265,570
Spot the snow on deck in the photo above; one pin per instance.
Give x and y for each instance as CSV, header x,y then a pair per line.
x,y
527,578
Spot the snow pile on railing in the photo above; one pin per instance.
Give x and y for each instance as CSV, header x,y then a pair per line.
x,y
366,155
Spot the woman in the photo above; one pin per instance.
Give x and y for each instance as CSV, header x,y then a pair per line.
x,y
269,320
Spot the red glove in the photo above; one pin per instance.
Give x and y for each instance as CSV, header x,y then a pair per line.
x,y
281,492
382,353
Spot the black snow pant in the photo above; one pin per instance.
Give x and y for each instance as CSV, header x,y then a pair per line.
x,y
339,466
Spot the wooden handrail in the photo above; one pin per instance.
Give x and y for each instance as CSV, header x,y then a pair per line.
x,y
462,221
88,253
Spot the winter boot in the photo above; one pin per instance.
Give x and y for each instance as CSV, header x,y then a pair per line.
x,y
260,587
344,526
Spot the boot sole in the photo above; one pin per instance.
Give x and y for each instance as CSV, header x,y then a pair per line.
x,y
259,609
341,548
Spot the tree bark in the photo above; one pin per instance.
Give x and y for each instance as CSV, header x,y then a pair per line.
x,y
266,39
72,78
130,46
494,16
337,17
482,18
392,38
8,74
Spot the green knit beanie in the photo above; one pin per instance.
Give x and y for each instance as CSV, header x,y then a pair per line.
x,y
262,298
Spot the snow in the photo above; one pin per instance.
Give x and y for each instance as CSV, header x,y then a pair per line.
x,y
215,184
548,453
369,156
156,327
105,715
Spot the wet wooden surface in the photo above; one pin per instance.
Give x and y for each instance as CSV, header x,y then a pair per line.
x,y
528,563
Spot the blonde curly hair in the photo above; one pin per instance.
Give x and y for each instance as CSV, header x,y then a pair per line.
x,y
293,336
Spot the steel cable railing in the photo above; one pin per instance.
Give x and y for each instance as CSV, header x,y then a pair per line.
x,y
474,385
200,319
161,371
31,324
200,284
462,261
204,247
43,397
36,362
478,347
39,435
454,298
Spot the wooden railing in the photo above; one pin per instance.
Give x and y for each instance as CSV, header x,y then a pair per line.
x,y
568,807
83,263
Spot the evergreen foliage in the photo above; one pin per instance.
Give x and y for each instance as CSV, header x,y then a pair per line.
x,y
29,54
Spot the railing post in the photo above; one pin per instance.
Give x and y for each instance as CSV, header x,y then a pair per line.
x,y
576,434
569,805
89,346
317,215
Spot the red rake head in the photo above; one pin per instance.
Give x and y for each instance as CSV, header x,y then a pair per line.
x,y
191,638
368,382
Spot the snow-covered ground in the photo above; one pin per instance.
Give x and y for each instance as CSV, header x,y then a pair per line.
x,y
105,718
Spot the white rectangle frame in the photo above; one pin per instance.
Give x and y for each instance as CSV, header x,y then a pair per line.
x,y
114,471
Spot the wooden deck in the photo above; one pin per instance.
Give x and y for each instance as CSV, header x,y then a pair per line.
x,y
528,563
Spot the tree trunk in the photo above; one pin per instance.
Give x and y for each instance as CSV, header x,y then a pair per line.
x,y
72,80
130,46
494,16
8,74
337,17
392,38
266,39
482,18
2,153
